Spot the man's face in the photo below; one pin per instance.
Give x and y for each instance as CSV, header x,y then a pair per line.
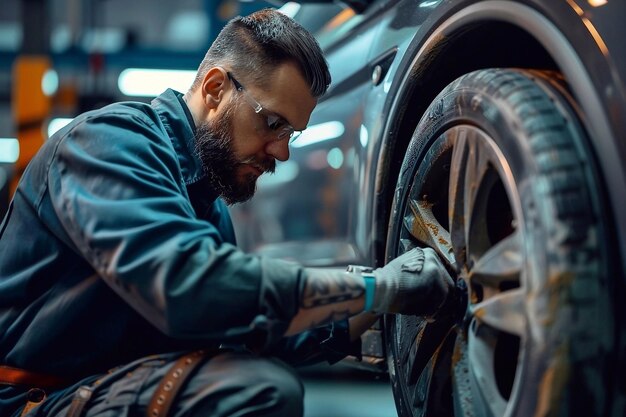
x,y
237,145
227,172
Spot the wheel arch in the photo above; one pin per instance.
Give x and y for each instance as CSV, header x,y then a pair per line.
x,y
519,36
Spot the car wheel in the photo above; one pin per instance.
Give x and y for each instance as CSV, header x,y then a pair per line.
x,y
499,180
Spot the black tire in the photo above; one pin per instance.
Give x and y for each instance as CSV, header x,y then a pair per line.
x,y
498,179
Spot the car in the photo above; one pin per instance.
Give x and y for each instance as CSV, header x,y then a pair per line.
x,y
493,132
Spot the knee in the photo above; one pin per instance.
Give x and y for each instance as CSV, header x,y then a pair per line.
x,y
245,385
276,383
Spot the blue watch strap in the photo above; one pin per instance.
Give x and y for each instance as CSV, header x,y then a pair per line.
x,y
370,289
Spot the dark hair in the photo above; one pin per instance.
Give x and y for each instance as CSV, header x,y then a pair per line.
x,y
251,46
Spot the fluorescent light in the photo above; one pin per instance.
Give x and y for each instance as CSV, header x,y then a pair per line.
x,y
319,133
146,82
57,124
9,150
290,9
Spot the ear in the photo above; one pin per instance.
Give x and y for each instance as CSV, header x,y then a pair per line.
x,y
213,87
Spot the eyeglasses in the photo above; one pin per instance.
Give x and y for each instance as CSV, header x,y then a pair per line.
x,y
279,127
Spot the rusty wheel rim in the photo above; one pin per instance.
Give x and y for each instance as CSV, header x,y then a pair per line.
x,y
463,202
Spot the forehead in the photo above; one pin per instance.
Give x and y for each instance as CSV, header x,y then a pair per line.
x,y
287,93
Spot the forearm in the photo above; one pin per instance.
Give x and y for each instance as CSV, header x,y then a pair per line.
x,y
360,323
329,295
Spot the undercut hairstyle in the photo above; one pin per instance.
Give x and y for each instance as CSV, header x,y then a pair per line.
x,y
254,45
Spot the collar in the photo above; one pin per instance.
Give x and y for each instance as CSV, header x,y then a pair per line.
x,y
180,127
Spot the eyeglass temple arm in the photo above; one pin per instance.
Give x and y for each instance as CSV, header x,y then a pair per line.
x,y
255,104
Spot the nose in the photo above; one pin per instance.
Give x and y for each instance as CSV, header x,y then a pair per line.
x,y
279,149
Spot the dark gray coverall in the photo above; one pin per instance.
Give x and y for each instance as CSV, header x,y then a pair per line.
x,y
114,248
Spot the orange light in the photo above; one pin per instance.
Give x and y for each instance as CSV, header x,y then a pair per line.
x,y
30,103
340,18
597,3
31,106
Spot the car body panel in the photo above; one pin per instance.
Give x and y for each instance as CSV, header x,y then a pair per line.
x,y
345,210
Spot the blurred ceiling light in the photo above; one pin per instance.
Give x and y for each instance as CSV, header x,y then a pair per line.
x,y
188,31
596,3
60,38
429,3
147,82
363,136
57,124
50,82
319,133
104,40
335,158
9,150
290,8
10,36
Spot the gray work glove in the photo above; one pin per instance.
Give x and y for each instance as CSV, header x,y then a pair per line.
x,y
416,283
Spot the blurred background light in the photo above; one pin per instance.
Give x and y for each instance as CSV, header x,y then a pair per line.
x,y
285,172
57,124
188,31
50,82
290,8
363,136
319,133
9,150
145,82
335,158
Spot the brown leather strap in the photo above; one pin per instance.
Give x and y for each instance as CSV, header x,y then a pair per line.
x,y
164,396
16,376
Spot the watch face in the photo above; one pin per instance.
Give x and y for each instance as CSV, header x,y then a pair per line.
x,y
358,269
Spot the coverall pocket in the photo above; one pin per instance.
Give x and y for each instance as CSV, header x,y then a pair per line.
x,y
112,394
117,397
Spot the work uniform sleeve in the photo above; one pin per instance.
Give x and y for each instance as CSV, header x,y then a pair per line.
x,y
329,343
116,187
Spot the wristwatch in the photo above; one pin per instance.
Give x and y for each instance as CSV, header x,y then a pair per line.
x,y
370,283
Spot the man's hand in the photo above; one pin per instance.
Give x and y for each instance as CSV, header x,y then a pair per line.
x,y
415,283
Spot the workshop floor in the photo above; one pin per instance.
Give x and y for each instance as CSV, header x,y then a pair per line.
x,y
338,391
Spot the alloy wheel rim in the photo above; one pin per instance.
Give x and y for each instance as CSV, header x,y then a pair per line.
x,y
474,222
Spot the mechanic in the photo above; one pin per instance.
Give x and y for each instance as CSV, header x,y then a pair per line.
x,y
121,289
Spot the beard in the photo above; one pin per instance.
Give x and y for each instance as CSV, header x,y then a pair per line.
x,y
214,146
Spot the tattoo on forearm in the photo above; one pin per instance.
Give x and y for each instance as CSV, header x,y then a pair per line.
x,y
329,289
332,317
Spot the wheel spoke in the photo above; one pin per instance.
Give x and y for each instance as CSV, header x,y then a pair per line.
x,y
477,166
480,178
504,311
428,391
423,225
486,397
439,391
503,262
456,197
427,342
